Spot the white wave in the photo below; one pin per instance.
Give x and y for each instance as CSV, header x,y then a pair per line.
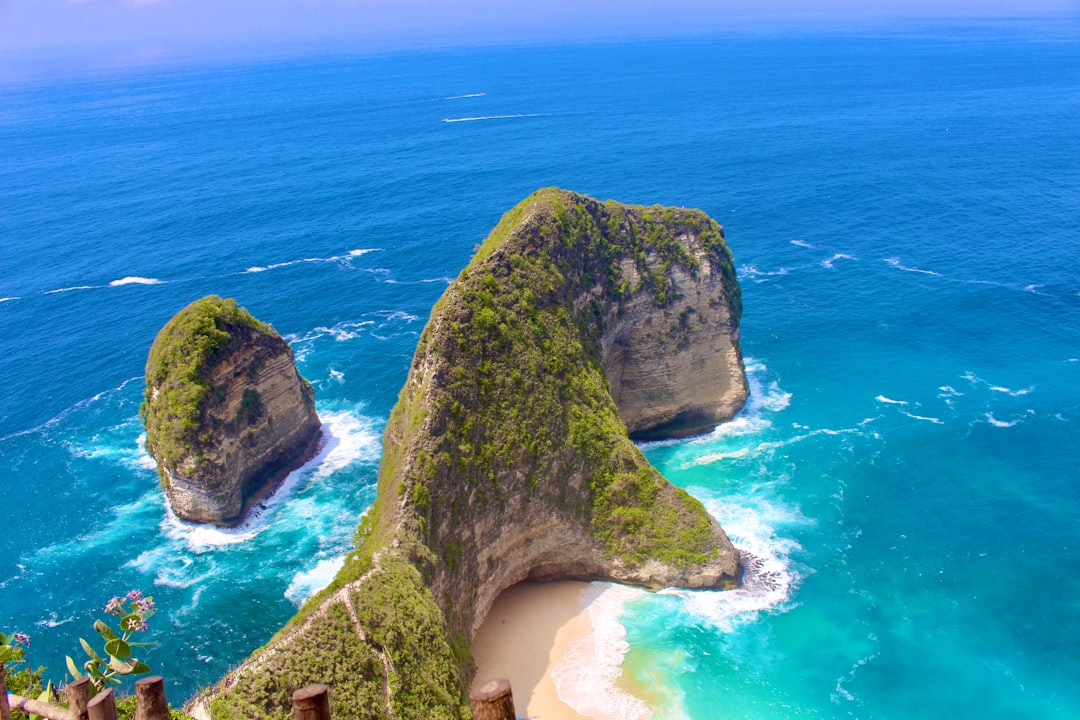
x,y
69,289
1011,392
462,97
890,401
343,259
492,117
948,391
172,569
444,279
307,583
53,621
8,299
586,676
134,280
838,256
936,421
895,262
1033,289
1073,360
803,243
768,578
999,423
346,439
752,271
337,376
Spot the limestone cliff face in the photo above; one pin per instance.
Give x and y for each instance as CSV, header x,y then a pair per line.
x,y
507,456
227,414
675,370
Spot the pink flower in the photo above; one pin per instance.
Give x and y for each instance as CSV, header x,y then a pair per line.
x,y
21,639
134,594
115,606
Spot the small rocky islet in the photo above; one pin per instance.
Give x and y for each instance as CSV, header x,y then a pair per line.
x,y
227,414
577,326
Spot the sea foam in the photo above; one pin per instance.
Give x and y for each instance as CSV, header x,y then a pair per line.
x,y
346,439
135,280
308,582
587,674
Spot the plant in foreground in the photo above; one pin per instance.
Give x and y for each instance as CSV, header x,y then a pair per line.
x,y
133,610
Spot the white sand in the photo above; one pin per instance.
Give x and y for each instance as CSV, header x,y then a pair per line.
x,y
527,631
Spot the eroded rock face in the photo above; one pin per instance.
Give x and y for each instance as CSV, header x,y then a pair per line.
x,y
507,456
676,370
227,414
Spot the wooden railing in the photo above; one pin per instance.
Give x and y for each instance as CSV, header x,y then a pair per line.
x,y
490,701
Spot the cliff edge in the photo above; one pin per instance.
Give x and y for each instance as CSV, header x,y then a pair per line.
x,y
507,456
226,412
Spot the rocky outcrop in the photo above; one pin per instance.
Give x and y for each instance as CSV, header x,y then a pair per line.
x,y
226,412
507,456
675,370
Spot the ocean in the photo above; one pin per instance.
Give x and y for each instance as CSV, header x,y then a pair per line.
x,y
904,211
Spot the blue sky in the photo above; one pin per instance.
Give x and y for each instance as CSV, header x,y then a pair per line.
x,y
140,31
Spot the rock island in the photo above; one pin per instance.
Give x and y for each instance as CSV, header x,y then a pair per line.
x,y
227,414
508,456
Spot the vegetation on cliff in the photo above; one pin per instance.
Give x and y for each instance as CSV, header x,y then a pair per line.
x,y
504,430
177,382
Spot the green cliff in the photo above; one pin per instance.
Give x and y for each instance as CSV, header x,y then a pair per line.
x,y
507,456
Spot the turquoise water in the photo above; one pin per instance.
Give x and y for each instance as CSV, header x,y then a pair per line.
x,y
905,216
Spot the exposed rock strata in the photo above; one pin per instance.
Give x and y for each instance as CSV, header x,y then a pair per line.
x,y
507,458
227,414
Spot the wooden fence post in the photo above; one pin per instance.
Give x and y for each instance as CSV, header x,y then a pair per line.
x,y
150,702
78,696
103,706
311,703
493,701
5,711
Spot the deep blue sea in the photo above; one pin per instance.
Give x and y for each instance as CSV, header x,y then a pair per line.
x,y
905,216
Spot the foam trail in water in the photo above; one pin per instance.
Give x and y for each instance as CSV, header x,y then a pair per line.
x,y
462,97
307,583
936,421
492,117
69,289
803,243
585,676
890,401
838,256
8,299
345,439
999,423
135,280
895,262
342,259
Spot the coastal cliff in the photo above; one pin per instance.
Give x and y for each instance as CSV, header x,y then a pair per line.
x,y
507,456
226,412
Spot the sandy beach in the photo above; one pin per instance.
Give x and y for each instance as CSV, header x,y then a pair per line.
x,y
529,628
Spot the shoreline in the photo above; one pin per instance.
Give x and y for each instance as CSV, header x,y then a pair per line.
x,y
530,630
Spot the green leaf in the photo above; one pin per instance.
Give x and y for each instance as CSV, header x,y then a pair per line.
x,y
89,650
118,648
104,630
6,652
119,666
73,669
139,644
140,667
